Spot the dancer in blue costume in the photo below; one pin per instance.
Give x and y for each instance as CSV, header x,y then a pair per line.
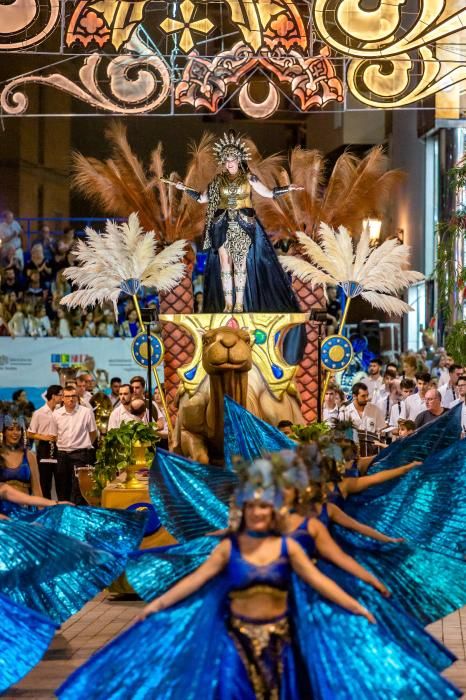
x,y
55,573
151,572
24,638
115,531
231,630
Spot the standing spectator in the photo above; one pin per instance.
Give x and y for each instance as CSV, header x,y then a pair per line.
x,y
434,409
24,406
409,366
363,415
374,380
122,412
84,396
43,428
330,408
115,384
198,302
390,399
415,404
440,370
405,428
138,385
407,387
76,432
90,383
448,391
10,240
461,391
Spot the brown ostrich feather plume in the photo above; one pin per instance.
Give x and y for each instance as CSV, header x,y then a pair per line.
x,y
121,185
355,189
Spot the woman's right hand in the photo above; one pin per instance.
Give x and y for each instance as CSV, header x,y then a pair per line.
x,y
154,607
180,186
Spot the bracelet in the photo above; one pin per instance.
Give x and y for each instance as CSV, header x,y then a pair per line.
x,y
194,194
278,191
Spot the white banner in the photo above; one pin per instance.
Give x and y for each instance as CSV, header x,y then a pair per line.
x,y
35,362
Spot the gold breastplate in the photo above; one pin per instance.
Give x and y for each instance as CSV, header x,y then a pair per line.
x,y
236,193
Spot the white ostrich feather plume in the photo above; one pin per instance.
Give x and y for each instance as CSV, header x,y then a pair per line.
x,y
379,274
124,255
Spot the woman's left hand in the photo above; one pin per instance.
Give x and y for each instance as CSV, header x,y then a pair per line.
x,y
295,187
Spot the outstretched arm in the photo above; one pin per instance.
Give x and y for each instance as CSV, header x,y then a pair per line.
x,y
8,493
35,479
265,191
189,584
361,483
338,516
200,197
328,549
323,584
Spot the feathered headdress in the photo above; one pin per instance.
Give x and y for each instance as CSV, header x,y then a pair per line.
x,y
265,478
231,146
375,274
122,259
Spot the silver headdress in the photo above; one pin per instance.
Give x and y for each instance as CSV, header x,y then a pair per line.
x,y
231,146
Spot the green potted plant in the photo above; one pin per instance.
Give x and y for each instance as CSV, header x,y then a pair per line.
x,y
455,342
129,447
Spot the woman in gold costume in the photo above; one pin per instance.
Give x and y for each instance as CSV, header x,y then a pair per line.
x,y
242,270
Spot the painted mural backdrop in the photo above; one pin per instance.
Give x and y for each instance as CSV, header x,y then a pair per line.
x,y
152,56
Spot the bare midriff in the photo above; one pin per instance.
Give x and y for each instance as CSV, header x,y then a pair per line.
x,y
259,602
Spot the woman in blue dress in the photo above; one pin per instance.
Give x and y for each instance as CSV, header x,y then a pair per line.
x,y
256,620
18,464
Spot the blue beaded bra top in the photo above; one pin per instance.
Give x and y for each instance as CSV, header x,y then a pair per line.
x,y
19,477
243,575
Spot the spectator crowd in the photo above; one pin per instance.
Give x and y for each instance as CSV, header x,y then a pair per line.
x,y
32,284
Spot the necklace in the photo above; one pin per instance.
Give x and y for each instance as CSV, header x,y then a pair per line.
x,y
11,448
257,535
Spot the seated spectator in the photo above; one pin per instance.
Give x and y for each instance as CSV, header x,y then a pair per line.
x,y
10,241
4,318
46,239
60,258
102,330
43,325
39,264
35,288
62,324
89,329
11,282
17,323
130,327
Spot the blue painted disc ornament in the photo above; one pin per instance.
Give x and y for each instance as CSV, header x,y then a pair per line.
x,y
336,353
140,352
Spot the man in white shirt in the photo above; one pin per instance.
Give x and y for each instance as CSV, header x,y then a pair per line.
x,y
415,404
43,429
448,391
84,396
122,412
461,391
76,432
374,380
390,398
115,383
330,409
407,387
363,415
138,385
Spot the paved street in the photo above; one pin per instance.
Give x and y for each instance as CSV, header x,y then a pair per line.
x,y
102,619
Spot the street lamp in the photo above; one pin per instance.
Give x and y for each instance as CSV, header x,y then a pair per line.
x,y
374,226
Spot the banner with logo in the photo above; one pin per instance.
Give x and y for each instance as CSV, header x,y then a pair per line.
x,y
35,363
